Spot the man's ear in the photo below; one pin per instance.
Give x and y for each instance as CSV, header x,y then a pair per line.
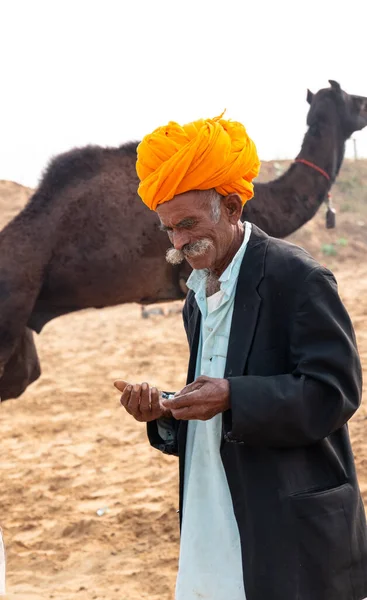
x,y
233,207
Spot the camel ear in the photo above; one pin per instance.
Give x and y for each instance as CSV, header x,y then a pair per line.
x,y
309,96
335,85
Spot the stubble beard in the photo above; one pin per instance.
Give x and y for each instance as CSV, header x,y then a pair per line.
x,y
195,250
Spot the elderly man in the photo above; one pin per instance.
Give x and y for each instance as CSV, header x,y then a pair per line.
x,y
269,501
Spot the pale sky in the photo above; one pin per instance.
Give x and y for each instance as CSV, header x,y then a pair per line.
x,y
77,72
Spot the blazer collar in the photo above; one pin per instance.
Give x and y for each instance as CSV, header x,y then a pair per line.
x,y
247,303
245,313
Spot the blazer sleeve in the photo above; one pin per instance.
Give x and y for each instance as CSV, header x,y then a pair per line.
x,y
324,387
162,435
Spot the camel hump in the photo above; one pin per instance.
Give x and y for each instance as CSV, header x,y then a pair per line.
x,y
79,164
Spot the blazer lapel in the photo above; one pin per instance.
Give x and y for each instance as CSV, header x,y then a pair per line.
x,y
247,303
194,336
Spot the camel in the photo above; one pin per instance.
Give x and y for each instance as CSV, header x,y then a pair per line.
x,y
85,240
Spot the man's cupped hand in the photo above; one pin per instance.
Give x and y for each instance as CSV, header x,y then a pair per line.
x,y
200,400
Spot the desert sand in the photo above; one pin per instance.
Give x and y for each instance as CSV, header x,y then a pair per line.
x,y
88,508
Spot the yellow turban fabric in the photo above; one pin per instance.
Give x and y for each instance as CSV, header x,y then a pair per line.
x,y
205,154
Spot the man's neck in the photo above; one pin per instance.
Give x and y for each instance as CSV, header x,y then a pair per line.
x,y
231,252
212,284
212,281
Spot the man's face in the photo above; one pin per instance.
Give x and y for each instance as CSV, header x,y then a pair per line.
x,y
195,231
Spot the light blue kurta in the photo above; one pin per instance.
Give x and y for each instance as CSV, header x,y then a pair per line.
x,y
210,565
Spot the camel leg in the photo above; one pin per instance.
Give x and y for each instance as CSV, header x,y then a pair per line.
x,y
22,368
25,250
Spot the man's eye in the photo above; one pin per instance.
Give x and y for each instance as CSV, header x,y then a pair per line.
x,y
188,225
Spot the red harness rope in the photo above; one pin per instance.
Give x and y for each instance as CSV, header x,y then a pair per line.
x,y
310,164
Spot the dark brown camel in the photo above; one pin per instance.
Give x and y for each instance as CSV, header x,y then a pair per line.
x,y
85,240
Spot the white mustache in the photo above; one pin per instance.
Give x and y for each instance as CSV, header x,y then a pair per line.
x,y
176,257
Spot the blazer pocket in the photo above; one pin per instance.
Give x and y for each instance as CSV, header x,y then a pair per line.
x,y
319,501
323,542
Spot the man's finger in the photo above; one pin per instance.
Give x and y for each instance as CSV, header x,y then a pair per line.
x,y
183,400
180,413
133,405
186,413
125,388
125,397
154,400
145,399
126,391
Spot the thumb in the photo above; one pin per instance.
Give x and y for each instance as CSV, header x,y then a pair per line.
x,y
191,387
120,384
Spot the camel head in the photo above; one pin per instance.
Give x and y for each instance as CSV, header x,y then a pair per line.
x,y
352,110
22,368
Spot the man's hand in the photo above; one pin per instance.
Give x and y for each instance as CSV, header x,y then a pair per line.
x,y
201,400
141,401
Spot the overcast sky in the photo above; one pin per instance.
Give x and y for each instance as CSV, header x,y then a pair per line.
x,y
75,72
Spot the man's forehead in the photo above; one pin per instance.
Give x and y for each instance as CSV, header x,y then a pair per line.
x,y
182,206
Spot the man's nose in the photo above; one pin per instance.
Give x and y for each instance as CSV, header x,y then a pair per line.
x,y
179,239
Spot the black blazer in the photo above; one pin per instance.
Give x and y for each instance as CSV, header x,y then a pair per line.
x,y
295,380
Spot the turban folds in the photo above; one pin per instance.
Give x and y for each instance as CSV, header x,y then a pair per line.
x,y
209,153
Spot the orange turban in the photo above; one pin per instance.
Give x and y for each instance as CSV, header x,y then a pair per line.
x,y
205,154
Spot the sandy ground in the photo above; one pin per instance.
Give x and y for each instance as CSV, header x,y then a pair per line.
x,y
68,449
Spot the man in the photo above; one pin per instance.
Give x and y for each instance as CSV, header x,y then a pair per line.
x,y
269,501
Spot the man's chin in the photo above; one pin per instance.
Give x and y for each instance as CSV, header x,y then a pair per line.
x,y
198,263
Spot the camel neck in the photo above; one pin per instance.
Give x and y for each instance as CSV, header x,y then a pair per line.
x,y
294,198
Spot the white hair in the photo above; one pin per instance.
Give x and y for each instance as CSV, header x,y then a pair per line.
x,y
215,200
